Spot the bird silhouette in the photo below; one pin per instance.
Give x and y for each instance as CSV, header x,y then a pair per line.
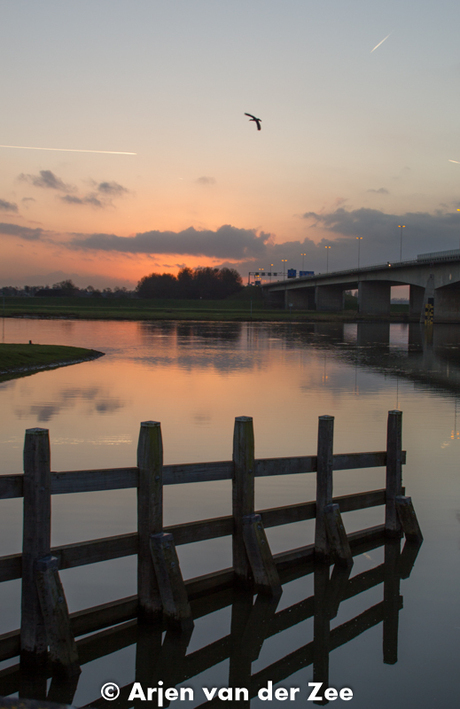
x,y
258,121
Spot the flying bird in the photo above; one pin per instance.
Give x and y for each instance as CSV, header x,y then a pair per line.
x,y
257,120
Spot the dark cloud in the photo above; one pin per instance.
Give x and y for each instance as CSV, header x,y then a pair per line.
x,y
22,232
206,181
227,242
46,179
423,232
113,189
8,206
89,199
382,190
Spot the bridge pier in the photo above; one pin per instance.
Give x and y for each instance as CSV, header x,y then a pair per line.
x,y
447,304
300,299
329,298
416,299
374,297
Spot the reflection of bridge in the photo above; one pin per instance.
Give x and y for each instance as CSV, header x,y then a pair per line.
x,y
434,276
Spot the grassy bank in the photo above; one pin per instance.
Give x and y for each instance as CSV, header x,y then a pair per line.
x,y
137,309
17,360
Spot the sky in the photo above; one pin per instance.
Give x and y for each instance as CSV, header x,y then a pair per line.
x,y
358,136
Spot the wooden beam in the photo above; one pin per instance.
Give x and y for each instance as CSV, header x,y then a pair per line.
x,y
35,542
263,568
394,473
82,553
62,647
149,517
337,535
323,483
408,519
171,585
242,493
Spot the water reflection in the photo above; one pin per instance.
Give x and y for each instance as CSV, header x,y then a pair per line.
x,y
97,399
161,657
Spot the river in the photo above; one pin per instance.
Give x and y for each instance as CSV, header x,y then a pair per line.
x,y
195,378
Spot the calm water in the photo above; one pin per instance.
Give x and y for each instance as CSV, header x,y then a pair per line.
x,y
195,378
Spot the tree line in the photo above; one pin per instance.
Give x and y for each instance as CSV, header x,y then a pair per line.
x,y
207,283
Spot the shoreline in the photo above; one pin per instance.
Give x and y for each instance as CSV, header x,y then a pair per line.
x,y
54,354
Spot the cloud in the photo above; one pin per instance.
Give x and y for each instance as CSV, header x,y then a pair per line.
x,y
227,242
46,179
206,180
423,232
382,190
89,199
8,206
22,232
111,188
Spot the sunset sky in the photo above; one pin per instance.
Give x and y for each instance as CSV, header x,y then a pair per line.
x,y
354,142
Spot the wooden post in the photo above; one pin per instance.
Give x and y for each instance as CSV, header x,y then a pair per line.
x,y
149,517
408,519
242,493
264,571
63,650
394,473
36,542
323,483
171,585
337,535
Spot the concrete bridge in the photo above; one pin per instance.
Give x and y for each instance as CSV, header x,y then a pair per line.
x,y
432,278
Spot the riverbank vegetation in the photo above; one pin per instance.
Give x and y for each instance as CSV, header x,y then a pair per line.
x,y
246,305
20,359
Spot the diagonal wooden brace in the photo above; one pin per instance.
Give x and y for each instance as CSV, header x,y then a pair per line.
x,y
63,650
171,585
408,519
337,537
263,567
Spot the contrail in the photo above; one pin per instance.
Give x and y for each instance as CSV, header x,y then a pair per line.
x,y
383,40
68,150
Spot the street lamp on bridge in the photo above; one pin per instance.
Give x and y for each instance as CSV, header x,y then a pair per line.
x,y
401,226
360,238
327,258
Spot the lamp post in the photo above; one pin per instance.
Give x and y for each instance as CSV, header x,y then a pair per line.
x,y
303,260
360,238
327,258
458,210
271,272
401,226
284,262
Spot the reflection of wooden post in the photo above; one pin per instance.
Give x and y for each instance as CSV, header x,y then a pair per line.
x,y
394,473
241,655
242,493
321,628
149,516
391,581
323,482
36,541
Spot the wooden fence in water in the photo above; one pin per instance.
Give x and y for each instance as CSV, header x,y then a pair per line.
x,y
48,631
